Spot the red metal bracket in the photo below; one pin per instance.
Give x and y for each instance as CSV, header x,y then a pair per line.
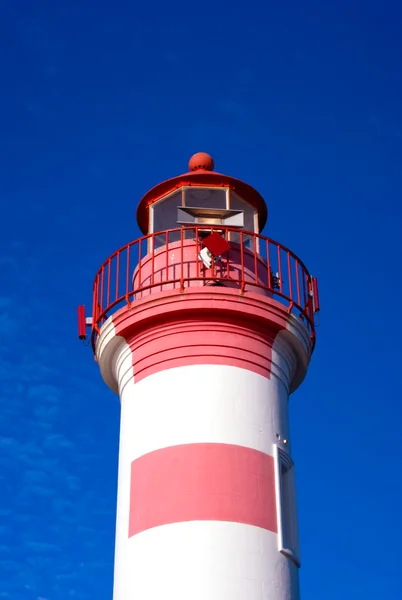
x,y
82,324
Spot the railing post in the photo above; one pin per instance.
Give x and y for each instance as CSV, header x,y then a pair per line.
x,y
290,277
108,281
102,285
117,275
242,281
255,258
167,255
279,268
153,260
297,281
181,260
197,251
128,274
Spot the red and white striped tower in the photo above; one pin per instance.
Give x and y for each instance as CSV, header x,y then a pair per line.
x,y
204,327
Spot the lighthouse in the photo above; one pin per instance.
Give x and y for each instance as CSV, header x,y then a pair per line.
x,y
204,327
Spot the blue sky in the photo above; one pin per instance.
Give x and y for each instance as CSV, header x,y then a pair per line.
x,y
98,104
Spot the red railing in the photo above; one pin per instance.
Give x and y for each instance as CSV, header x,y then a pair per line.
x,y
170,260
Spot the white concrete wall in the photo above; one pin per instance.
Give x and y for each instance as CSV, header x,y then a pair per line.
x,y
211,560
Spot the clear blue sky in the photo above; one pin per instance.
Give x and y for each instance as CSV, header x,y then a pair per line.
x,y
98,104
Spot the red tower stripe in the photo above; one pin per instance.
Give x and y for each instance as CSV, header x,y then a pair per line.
x,y
198,343
201,327
202,482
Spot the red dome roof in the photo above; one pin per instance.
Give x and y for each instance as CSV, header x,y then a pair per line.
x,y
201,160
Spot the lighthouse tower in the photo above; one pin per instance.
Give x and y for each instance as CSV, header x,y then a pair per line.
x,y
204,327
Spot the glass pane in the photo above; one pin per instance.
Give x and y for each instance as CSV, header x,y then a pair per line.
x,y
160,240
205,197
237,203
165,212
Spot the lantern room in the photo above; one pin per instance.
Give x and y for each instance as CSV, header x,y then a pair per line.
x,y
202,197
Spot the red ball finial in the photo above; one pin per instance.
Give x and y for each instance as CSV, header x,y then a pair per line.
x,y
201,160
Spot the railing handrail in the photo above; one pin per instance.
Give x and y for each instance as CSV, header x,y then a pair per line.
x,y
205,228
305,290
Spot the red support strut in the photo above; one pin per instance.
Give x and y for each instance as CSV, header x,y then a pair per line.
x,y
82,326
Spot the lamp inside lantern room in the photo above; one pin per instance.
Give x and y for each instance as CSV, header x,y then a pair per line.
x,y
202,206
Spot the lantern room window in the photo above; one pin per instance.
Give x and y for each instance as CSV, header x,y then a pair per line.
x,y
237,203
163,214
202,205
204,197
